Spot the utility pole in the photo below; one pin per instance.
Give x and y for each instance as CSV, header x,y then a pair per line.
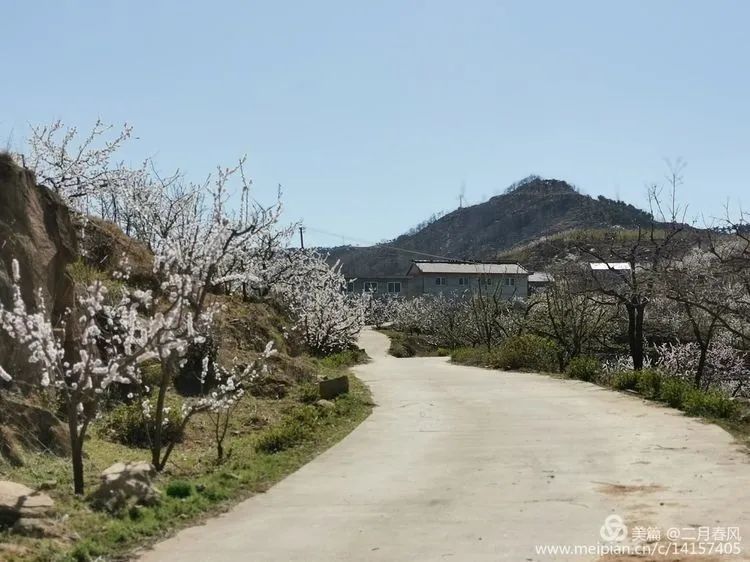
x,y
302,237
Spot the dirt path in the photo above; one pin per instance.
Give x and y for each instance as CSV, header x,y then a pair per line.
x,y
465,464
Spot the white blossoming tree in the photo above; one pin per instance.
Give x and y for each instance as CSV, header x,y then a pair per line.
x,y
112,341
231,388
201,247
206,251
327,317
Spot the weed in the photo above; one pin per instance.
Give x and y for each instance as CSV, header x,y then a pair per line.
x,y
625,380
179,489
526,352
584,369
672,391
708,403
309,393
649,383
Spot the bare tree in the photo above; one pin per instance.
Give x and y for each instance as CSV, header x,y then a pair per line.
x,y
488,308
571,317
647,255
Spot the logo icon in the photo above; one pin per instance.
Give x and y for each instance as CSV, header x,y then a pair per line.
x,y
614,529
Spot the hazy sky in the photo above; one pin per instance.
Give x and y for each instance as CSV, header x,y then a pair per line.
x,y
372,114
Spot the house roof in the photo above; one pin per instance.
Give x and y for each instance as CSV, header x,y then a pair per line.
x,y
541,277
377,278
616,266
473,268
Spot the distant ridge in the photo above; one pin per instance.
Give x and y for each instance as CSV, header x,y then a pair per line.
x,y
528,210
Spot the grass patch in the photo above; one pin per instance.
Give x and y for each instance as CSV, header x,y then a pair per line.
x,y
673,391
84,276
708,404
679,394
586,369
179,489
527,352
309,393
127,424
474,357
412,345
333,365
627,380
649,384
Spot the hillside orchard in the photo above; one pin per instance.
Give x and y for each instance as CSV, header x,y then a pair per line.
x,y
207,239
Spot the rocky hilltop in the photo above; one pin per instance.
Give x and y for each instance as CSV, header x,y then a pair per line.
x,y
527,211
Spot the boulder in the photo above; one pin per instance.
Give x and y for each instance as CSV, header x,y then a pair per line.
x,y
25,426
333,387
37,528
36,230
325,404
11,551
19,502
125,484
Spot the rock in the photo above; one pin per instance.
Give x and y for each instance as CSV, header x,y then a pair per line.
x,y
30,427
37,528
125,484
36,230
334,387
10,550
21,502
325,404
10,446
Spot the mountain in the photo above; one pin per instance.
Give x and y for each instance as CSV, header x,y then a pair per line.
x,y
528,211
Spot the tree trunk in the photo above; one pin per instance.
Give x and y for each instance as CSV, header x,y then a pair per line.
x,y
76,451
156,444
638,350
701,364
635,334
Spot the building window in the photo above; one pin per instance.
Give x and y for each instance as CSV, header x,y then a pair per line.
x,y
394,287
440,281
371,286
486,280
510,281
463,281
350,286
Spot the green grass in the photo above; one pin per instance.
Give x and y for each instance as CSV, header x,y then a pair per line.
x,y
649,384
474,357
587,369
195,486
672,391
332,365
179,489
627,380
526,352
411,345
84,275
708,404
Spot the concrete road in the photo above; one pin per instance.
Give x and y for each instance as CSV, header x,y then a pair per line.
x,y
466,464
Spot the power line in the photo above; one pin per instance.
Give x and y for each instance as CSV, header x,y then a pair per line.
x,y
381,245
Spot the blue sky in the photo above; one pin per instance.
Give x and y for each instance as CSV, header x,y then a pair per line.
x,y
371,115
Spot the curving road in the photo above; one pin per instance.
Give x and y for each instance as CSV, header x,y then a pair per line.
x,y
465,464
